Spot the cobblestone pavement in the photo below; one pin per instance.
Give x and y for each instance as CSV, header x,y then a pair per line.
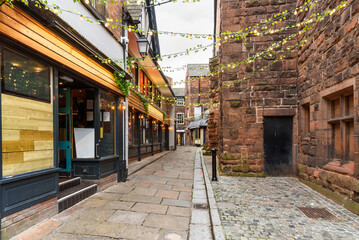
x,y
154,204
267,208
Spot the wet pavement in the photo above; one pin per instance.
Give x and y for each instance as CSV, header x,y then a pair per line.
x,y
268,208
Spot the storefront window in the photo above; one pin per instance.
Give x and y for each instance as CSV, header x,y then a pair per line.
x,y
107,125
82,123
155,131
26,77
132,133
27,124
148,131
142,129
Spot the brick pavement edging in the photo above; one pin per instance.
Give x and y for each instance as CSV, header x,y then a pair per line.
x,y
216,223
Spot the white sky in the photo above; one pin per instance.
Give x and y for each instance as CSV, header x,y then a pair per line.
x,y
195,17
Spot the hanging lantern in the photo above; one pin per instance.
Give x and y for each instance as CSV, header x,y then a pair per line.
x,y
143,44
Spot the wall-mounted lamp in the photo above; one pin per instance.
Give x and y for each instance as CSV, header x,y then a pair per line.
x,y
143,44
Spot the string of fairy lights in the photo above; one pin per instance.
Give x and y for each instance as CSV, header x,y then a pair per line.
x,y
257,56
287,52
256,30
221,38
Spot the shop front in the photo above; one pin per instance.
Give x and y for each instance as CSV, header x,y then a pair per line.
x,y
146,135
90,126
62,116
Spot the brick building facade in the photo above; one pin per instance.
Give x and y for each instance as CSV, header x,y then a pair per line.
x,y
196,105
180,111
299,114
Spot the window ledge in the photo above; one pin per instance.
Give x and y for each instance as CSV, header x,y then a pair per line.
x,y
336,166
346,118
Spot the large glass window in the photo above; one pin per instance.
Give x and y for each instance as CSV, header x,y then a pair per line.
x,y
155,131
24,76
107,125
142,129
132,133
148,130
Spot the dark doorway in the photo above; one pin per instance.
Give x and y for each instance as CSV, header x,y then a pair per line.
x,y
278,146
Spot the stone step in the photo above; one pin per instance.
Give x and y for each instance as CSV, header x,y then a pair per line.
x,y
69,183
69,197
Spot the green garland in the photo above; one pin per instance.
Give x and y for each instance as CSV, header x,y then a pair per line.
x,y
125,88
122,83
164,116
143,99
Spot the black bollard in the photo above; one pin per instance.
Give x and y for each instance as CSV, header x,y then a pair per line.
x,y
214,165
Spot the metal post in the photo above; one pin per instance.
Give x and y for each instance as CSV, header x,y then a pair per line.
x,y
214,165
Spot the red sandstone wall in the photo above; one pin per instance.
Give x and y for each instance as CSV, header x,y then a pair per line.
x,y
271,91
327,65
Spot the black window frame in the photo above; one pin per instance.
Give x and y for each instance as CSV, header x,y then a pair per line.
x,y
93,10
13,93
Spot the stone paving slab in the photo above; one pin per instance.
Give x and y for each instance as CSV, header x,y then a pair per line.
x,y
150,208
40,231
179,211
176,203
139,232
167,221
119,205
93,228
130,217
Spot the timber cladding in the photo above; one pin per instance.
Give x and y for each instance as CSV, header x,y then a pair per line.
x,y
19,26
27,135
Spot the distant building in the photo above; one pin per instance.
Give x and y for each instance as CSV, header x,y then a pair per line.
x,y
180,110
196,105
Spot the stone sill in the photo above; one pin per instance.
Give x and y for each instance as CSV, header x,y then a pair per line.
x,y
335,166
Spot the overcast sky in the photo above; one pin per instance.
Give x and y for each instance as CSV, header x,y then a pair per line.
x,y
184,17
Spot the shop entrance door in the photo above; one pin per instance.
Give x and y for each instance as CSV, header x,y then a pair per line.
x,y
65,129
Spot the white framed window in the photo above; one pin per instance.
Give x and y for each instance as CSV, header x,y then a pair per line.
x,y
180,118
180,101
197,113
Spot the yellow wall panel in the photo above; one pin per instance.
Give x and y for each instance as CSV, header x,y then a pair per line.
x,y
17,146
43,145
27,127
17,168
37,155
10,135
36,135
13,157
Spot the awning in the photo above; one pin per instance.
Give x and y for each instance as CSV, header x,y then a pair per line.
x,y
197,124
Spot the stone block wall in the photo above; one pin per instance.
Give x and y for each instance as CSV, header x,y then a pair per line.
x,y
212,136
271,91
327,89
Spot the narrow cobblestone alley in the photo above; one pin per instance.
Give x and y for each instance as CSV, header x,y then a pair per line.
x,y
154,204
268,208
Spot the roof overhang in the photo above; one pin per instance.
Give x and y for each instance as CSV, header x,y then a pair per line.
x,y
156,76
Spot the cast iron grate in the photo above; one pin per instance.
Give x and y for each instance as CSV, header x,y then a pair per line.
x,y
317,213
200,206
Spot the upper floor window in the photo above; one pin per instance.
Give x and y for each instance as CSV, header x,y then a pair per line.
x,y
180,118
341,122
180,101
97,8
305,118
24,76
